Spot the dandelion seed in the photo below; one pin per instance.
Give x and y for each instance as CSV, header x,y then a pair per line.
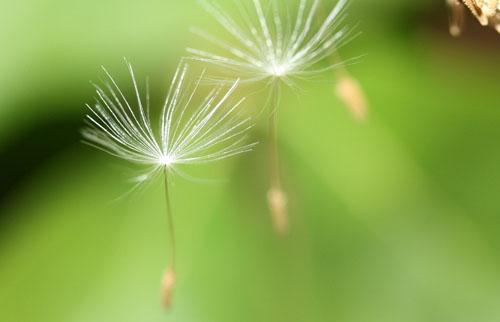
x,y
188,133
456,17
270,44
487,12
168,283
350,92
274,45
277,201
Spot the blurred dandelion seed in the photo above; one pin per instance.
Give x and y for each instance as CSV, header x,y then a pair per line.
x,y
349,90
487,12
272,44
188,134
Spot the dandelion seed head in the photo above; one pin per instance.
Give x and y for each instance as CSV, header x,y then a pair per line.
x,y
189,132
270,39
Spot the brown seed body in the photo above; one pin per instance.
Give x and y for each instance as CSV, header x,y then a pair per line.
x,y
277,204
349,90
167,288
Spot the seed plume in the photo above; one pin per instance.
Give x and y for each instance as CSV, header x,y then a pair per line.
x,y
278,42
271,42
187,133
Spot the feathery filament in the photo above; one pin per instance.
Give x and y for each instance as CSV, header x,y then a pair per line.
x,y
188,133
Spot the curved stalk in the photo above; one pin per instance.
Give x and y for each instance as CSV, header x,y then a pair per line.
x,y
168,281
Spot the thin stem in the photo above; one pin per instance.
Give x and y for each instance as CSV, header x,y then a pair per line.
x,y
348,89
168,281
170,219
274,166
275,196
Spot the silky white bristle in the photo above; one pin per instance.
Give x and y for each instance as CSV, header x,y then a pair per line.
x,y
270,42
189,133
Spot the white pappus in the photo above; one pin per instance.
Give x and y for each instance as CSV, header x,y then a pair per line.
x,y
187,134
271,42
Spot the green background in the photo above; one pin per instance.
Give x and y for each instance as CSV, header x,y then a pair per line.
x,y
393,219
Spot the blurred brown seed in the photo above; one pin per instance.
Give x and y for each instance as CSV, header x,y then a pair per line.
x,y
349,90
487,13
457,17
277,204
167,288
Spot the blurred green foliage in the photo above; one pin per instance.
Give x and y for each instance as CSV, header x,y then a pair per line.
x,y
394,219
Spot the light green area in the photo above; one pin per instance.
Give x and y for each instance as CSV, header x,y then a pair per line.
x,y
395,219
